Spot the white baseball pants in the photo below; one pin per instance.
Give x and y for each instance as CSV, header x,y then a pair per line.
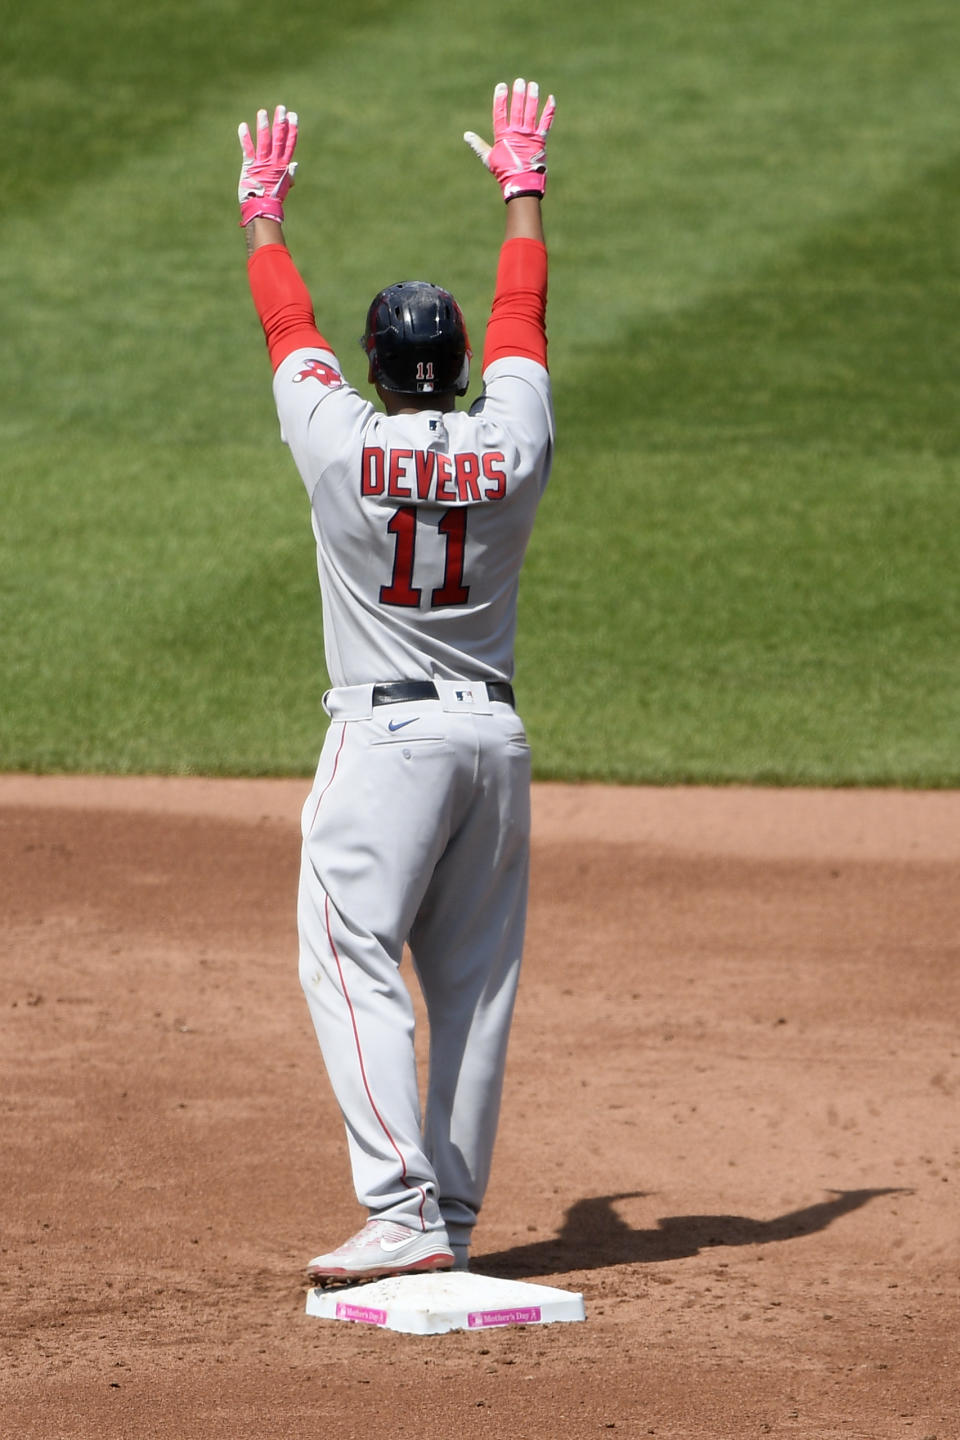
x,y
416,830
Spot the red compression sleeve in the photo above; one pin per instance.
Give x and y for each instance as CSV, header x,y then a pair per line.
x,y
518,317
283,303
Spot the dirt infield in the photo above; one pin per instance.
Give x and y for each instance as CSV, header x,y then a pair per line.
x,y
730,1121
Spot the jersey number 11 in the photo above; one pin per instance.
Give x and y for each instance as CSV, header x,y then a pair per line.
x,y
401,590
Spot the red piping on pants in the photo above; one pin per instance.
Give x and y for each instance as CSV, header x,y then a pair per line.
x,y
363,1071
346,996
333,772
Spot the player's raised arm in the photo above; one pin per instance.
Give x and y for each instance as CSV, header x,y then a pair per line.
x,y
518,161
266,175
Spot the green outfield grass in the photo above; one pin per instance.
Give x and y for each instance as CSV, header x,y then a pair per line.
x,y
747,566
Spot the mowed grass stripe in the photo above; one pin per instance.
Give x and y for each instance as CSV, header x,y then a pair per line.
x,y
784,501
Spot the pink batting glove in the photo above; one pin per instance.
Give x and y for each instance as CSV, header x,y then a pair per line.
x,y
268,168
518,155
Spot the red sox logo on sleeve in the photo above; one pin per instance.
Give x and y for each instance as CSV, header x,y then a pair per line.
x,y
317,370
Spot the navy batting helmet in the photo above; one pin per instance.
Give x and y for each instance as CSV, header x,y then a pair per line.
x,y
416,340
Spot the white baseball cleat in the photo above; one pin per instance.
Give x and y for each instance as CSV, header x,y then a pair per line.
x,y
381,1248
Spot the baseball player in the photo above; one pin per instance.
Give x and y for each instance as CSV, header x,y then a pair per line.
x,y
416,831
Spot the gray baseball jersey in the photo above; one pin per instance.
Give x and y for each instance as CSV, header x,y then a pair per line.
x,y
421,521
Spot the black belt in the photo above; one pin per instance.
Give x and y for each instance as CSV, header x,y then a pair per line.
x,y
395,692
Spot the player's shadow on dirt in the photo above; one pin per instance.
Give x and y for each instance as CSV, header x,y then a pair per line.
x,y
594,1235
